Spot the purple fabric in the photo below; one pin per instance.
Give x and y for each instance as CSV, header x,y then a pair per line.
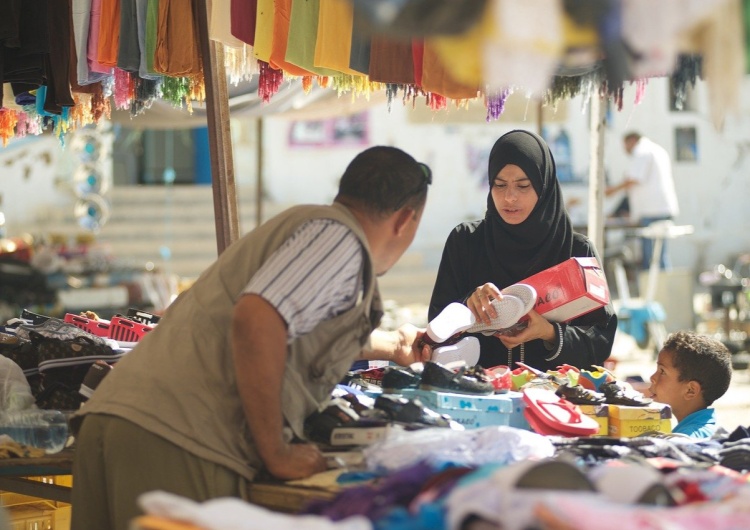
x,y
376,500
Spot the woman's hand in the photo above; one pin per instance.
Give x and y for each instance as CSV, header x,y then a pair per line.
x,y
480,302
537,328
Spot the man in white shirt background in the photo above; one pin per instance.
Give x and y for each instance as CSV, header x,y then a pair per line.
x,y
650,189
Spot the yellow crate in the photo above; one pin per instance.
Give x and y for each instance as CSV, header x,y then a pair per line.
x,y
600,414
627,422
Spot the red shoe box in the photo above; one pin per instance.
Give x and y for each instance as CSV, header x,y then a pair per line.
x,y
573,288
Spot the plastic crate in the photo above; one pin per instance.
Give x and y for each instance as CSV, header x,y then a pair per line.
x,y
125,330
95,327
143,317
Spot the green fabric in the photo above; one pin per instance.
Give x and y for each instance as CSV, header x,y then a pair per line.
x,y
152,21
303,33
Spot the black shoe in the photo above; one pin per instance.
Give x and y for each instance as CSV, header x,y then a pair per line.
x,y
617,394
579,395
411,413
465,381
396,379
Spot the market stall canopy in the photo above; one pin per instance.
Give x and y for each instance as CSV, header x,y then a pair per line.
x,y
67,69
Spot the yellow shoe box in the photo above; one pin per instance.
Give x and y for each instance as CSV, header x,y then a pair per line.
x,y
600,413
627,422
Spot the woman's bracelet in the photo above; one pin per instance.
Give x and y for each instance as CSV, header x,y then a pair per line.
x,y
559,342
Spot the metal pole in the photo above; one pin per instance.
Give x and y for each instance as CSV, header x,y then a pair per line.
x,y
596,174
219,135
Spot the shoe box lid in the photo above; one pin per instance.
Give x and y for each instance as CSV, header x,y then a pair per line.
x,y
451,400
598,411
654,411
570,289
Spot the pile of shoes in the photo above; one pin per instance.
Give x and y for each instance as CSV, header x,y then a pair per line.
x,y
349,421
63,363
454,377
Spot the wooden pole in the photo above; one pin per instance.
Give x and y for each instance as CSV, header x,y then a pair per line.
x,y
219,135
596,174
259,192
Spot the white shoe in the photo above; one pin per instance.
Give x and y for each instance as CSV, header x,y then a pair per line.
x,y
525,292
466,350
509,310
454,318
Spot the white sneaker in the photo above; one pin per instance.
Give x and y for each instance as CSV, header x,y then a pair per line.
x,y
454,318
466,350
525,292
509,310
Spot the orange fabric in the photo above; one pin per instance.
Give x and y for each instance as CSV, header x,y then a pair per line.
x,y
177,52
334,43
437,79
109,33
281,16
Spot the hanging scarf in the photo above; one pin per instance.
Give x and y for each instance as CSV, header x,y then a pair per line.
x,y
545,238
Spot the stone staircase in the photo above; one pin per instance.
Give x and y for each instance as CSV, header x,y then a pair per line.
x,y
172,229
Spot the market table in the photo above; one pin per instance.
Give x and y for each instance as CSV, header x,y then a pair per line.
x,y
16,477
15,473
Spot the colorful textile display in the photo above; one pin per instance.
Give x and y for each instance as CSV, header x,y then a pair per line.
x,y
134,52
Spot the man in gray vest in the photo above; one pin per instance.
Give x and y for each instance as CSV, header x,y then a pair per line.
x,y
221,387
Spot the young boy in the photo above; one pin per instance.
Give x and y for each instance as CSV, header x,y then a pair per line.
x,y
692,371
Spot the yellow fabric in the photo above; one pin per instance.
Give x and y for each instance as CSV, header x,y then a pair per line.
x,y
463,53
334,43
438,80
263,31
576,36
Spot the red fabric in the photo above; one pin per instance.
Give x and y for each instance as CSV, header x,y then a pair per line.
x,y
243,13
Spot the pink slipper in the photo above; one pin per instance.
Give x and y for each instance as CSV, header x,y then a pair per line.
x,y
557,413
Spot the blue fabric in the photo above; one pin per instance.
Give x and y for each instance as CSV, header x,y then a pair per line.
x,y
699,424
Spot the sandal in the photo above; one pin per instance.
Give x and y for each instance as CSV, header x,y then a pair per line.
x,y
580,395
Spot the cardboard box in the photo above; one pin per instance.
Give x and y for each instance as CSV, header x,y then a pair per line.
x,y
600,413
628,422
573,288
469,410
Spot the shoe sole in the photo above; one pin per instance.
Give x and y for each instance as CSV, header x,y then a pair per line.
x,y
526,293
467,350
509,310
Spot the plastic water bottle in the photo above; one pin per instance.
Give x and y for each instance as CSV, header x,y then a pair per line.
x,y
44,429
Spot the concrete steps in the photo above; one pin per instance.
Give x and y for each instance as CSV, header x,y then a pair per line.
x,y
173,230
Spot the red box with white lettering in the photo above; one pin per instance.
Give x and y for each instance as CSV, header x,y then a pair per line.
x,y
573,288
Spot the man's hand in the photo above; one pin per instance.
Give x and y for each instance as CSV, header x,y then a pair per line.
x,y
295,461
403,346
537,328
410,347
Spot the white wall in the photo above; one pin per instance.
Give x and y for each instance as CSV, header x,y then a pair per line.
x,y
712,191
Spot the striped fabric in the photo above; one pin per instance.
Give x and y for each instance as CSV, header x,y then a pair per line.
x,y
315,275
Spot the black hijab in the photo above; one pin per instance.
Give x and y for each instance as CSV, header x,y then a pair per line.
x,y
545,238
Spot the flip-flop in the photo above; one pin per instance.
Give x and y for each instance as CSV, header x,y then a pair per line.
x,y
539,427
558,413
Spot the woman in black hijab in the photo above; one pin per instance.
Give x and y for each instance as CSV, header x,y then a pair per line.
x,y
525,230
